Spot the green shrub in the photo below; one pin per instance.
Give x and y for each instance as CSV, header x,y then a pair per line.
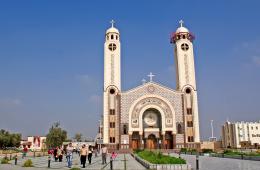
x,y
137,150
232,152
207,150
75,168
5,160
159,158
253,154
184,150
28,163
192,150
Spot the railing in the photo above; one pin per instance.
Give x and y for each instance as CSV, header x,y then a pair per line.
x,y
242,156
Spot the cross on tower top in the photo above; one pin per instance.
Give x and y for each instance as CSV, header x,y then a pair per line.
x,y
151,76
112,22
181,22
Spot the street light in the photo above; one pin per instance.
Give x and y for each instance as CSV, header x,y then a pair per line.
x,y
100,136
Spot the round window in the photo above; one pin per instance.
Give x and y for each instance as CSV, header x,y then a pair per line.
x,y
112,47
112,91
185,47
187,91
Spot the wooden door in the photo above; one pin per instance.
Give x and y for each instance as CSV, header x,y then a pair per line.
x,y
151,142
134,144
168,144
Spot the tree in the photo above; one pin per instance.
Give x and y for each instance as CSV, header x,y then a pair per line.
x,y
9,139
56,136
78,137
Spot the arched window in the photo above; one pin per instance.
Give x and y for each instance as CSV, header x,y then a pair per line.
x,y
179,129
125,130
116,37
112,37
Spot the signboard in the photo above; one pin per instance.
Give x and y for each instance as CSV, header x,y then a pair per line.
x,y
99,141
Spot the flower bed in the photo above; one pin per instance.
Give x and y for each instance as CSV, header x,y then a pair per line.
x,y
156,160
159,158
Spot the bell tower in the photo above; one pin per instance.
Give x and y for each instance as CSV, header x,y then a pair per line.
x,y
185,80
112,86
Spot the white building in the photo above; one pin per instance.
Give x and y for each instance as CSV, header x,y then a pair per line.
x,y
34,142
237,133
150,115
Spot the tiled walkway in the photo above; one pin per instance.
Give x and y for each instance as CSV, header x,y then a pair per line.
x,y
41,163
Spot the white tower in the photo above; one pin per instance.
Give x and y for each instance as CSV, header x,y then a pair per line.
x,y
112,86
186,82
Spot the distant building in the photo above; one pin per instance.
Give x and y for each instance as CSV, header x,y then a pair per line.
x,y
241,134
34,142
213,145
78,145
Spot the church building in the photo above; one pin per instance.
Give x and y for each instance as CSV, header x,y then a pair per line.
x,y
151,115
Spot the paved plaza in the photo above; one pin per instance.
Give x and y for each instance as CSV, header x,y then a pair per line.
x,y
126,160
41,163
214,163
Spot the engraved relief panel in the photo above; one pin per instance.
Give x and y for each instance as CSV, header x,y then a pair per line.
x,y
179,138
151,101
129,97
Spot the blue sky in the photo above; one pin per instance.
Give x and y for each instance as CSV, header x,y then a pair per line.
x,y
51,58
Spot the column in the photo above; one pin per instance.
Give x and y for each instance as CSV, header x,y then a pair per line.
x,y
164,142
130,139
173,141
141,140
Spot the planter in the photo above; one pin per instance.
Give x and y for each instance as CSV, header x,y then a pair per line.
x,y
149,165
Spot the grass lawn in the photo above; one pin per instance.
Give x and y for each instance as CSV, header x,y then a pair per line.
x,y
159,158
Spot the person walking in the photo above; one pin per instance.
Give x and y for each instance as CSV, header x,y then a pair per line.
x,y
83,155
113,156
104,154
60,154
69,151
55,154
90,151
25,150
96,152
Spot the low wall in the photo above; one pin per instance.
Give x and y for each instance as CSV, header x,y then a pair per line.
x,y
149,165
243,157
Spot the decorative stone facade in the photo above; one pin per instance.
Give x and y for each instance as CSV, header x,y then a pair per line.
x,y
150,115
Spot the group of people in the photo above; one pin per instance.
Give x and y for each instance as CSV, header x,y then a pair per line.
x,y
85,153
58,154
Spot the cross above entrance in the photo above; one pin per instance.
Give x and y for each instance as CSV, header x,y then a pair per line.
x,y
151,76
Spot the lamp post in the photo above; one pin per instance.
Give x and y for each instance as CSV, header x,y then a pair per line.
x,y
212,138
100,136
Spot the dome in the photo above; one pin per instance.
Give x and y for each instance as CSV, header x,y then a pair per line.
x,y
182,29
112,30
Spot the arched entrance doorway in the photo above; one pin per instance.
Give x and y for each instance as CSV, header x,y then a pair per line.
x,y
151,142
168,142
152,126
135,140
